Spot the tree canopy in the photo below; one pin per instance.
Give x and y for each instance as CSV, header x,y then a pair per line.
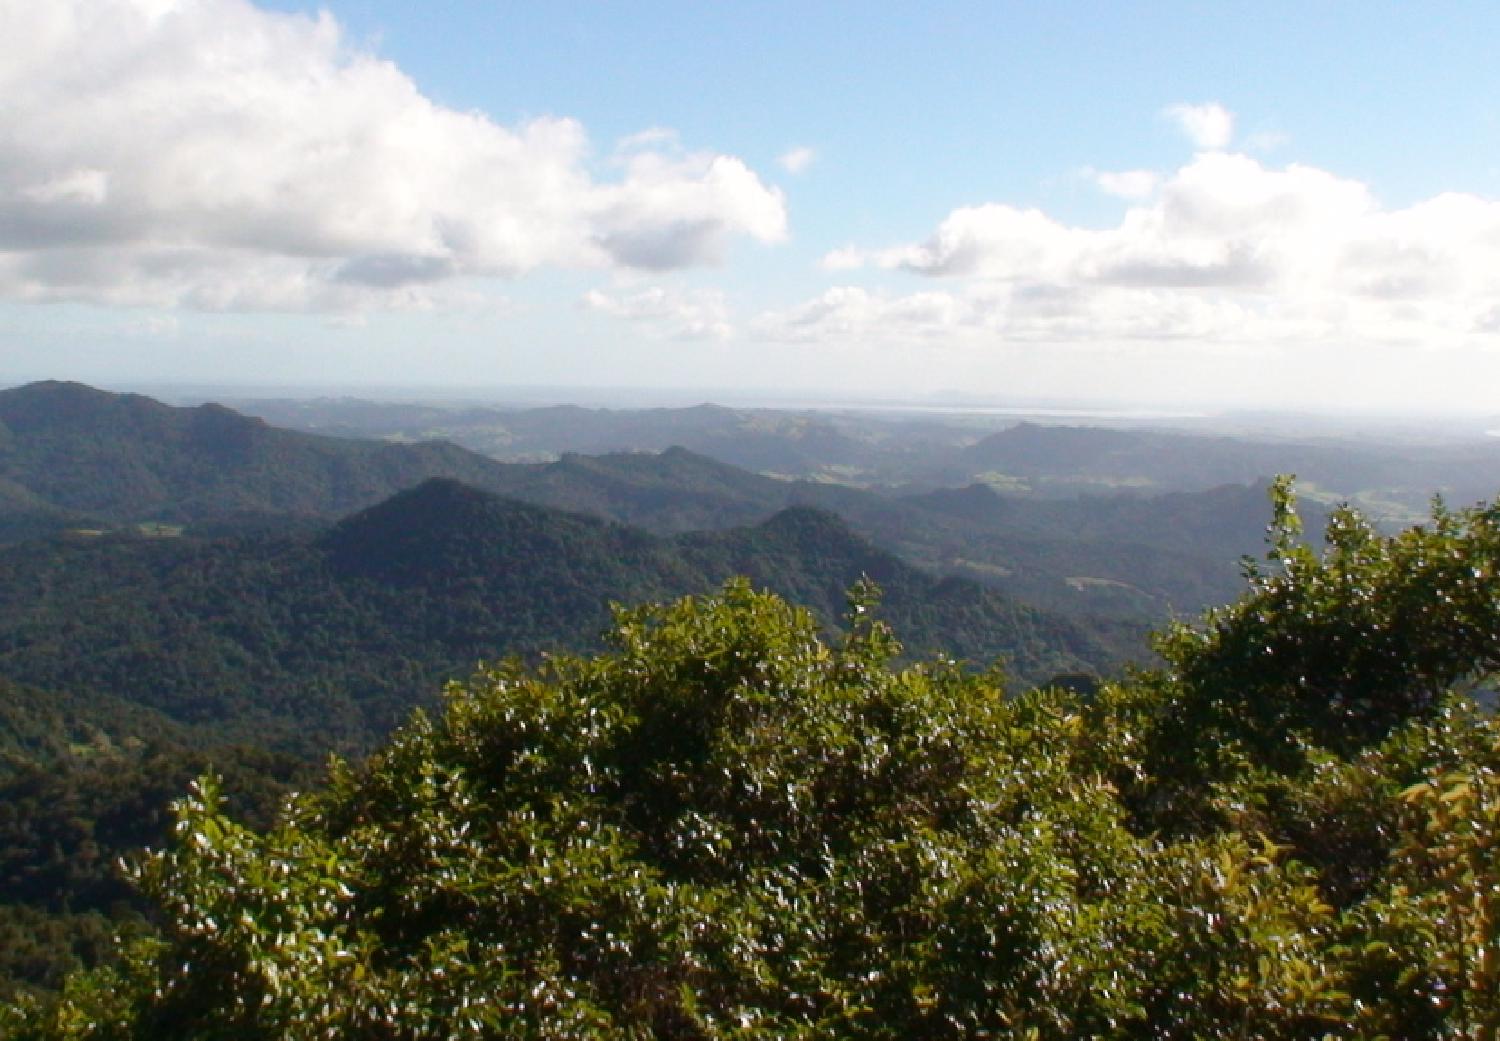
x,y
728,826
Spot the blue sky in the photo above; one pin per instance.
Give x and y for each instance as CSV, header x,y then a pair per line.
x,y
1265,205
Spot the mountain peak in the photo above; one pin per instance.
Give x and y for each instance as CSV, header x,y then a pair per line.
x,y
434,504
55,403
806,520
443,528
124,457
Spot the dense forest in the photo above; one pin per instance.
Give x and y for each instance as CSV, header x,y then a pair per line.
x,y
327,640
727,825
136,662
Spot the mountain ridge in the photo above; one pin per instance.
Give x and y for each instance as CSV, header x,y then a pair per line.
x,y
219,472
86,454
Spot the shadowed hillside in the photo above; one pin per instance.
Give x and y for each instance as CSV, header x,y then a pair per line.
x,y
71,452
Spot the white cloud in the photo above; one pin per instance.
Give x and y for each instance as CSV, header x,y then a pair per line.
x,y
206,153
994,241
671,213
85,187
700,315
1209,126
1127,184
1226,251
797,160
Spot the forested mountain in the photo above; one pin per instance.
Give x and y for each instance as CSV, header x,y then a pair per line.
x,y
51,726
74,457
331,639
1391,482
673,491
1105,457
75,454
1130,556
266,631
86,778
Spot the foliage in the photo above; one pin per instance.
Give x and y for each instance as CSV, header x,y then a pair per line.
x,y
303,645
328,642
728,827
1334,650
67,819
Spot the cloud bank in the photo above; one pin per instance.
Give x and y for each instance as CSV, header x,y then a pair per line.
x,y
1223,249
208,154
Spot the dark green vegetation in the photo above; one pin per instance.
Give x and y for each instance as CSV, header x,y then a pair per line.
x,y
72,456
185,599
326,641
729,826
1125,556
146,659
83,780
76,458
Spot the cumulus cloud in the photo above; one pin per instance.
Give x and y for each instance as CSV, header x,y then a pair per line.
x,y
1208,126
1224,249
1127,184
677,212
797,160
698,315
207,153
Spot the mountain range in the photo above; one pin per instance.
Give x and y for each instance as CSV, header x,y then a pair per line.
x,y
1390,473
76,458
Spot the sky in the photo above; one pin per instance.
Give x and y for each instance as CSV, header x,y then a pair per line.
x,y
1268,205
